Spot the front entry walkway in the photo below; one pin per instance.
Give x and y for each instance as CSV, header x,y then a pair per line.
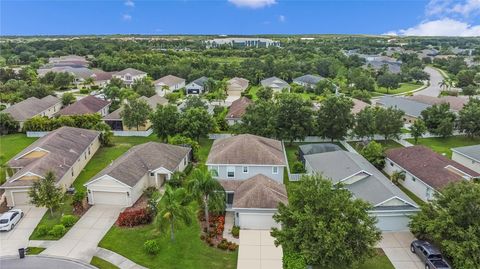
x,y
82,239
396,246
257,251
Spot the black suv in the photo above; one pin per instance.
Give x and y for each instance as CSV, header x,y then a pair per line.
x,y
430,255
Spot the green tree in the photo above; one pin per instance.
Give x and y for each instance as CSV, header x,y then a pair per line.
x,y
452,220
207,190
375,154
183,140
63,80
164,121
389,81
397,176
317,229
296,118
7,124
265,93
195,123
135,113
45,193
106,133
260,119
418,129
335,117
365,123
469,118
466,78
144,87
193,101
174,210
389,122
68,98
439,119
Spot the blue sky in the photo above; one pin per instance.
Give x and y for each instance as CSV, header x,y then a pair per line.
x,y
71,17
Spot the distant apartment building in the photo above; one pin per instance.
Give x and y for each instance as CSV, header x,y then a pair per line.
x,y
241,42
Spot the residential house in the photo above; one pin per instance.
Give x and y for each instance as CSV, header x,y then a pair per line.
x,y
101,78
142,166
468,156
80,73
309,149
391,206
241,42
197,86
236,86
392,66
276,84
168,84
358,105
65,152
426,172
68,60
456,102
237,110
115,121
308,81
86,105
412,108
31,107
130,75
250,168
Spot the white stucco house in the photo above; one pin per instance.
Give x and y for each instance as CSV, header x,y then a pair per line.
x,y
130,75
468,156
426,172
250,168
31,107
168,84
197,86
142,166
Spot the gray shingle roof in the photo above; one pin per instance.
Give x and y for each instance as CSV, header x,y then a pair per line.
x,y
238,108
247,149
64,145
87,105
169,80
410,107
141,159
339,165
309,79
131,71
200,81
30,107
318,148
472,152
237,84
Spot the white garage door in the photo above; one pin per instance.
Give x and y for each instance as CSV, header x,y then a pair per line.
x,y
109,198
257,221
393,223
20,198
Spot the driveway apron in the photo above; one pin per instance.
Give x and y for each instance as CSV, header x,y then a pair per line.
x,y
257,251
396,246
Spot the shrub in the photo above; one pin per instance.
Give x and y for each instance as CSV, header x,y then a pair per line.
x,y
232,246
151,247
298,168
134,217
42,230
236,231
58,230
293,261
68,220
223,244
149,191
78,197
84,91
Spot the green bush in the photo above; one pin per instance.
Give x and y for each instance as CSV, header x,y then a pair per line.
x,y
42,230
149,191
151,247
84,91
293,261
58,230
298,168
236,231
68,220
78,197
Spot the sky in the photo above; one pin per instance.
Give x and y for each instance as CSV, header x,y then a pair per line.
x,y
159,17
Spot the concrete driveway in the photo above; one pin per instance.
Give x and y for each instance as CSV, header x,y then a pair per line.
x,y
17,238
82,239
257,251
396,246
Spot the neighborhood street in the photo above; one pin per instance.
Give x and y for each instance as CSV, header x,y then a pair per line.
x,y
434,88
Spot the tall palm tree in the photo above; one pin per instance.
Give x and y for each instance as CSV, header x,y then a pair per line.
x,y
207,190
443,84
174,209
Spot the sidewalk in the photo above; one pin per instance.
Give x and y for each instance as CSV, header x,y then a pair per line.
x,y
117,259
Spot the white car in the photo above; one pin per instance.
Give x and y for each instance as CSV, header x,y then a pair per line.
x,y
9,219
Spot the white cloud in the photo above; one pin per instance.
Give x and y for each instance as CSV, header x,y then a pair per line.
x,y
463,8
253,3
129,3
467,8
127,17
282,18
442,27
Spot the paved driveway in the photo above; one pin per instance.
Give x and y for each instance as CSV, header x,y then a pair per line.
x,y
257,251
17,238
396,246
82,239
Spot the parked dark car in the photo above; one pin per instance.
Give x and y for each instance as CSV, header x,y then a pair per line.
x,y
429,255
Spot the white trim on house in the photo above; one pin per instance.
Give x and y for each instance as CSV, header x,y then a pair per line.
x,y
465,155
28,173
162,170
13,199
30,151
242,164
106,177
127,196
394,197
460,171
355,174
411,174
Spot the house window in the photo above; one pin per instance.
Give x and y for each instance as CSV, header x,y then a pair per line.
x,y
275,170
230,171
229,198
245,169
72,172
152,174
391,164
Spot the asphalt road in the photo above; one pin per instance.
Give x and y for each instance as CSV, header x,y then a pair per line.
x,y
36,262
434,88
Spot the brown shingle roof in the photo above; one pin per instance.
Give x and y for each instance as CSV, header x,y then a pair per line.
x,y
237,84
247,149
258,191
238,108
131,71
141,159
428,166
87,105
456,102
169,80
64,146
358,105
31,107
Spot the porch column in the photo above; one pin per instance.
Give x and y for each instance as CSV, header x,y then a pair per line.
x,y
156,181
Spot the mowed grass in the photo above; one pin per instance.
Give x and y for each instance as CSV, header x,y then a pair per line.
x,y
11,145
101,263
404,87
444,145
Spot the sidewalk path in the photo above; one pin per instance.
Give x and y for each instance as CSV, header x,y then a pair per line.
x,y
117,259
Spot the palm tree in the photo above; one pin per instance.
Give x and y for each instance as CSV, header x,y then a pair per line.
x,y
443,83
207,190
174,209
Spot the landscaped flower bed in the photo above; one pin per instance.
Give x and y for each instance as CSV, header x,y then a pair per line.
x,y
214,236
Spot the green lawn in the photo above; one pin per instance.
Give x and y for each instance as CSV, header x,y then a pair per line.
x,y
10,145
101,263
443,145
404,87
387,144
34,250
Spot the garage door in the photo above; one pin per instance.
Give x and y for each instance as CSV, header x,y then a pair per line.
x,y
257,221
109,198
393,223
20,198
